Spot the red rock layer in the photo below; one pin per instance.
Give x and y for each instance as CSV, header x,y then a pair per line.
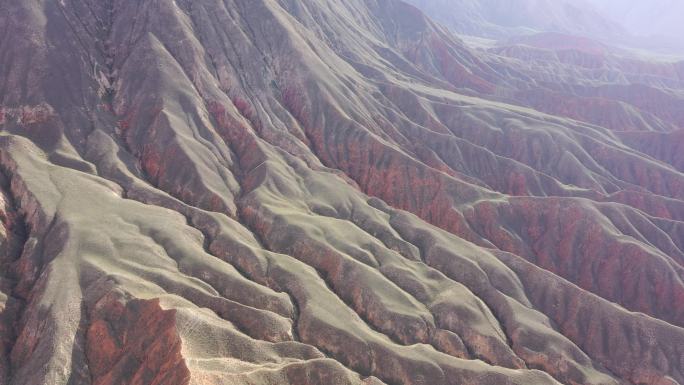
x,y
134,342
322,192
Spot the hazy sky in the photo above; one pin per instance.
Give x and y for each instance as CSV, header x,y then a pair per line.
x,y
646,17
652,24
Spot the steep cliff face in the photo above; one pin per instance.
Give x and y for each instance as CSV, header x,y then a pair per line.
x,y
325,192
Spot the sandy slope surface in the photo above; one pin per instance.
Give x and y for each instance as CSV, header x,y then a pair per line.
x,y
331,192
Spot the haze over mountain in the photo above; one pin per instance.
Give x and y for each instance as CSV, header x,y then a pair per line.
x,y
639,24
334,192
504,18
657,18
653,24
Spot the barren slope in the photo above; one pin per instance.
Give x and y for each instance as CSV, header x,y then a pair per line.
x,y
329,192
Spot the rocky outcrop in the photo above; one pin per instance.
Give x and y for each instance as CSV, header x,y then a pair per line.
x,y
134,342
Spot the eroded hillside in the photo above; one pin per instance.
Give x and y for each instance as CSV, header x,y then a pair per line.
x,y
327,192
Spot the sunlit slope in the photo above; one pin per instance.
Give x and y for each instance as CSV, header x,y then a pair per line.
x,y
323,192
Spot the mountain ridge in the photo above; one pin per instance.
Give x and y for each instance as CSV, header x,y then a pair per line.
x,y
309,192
